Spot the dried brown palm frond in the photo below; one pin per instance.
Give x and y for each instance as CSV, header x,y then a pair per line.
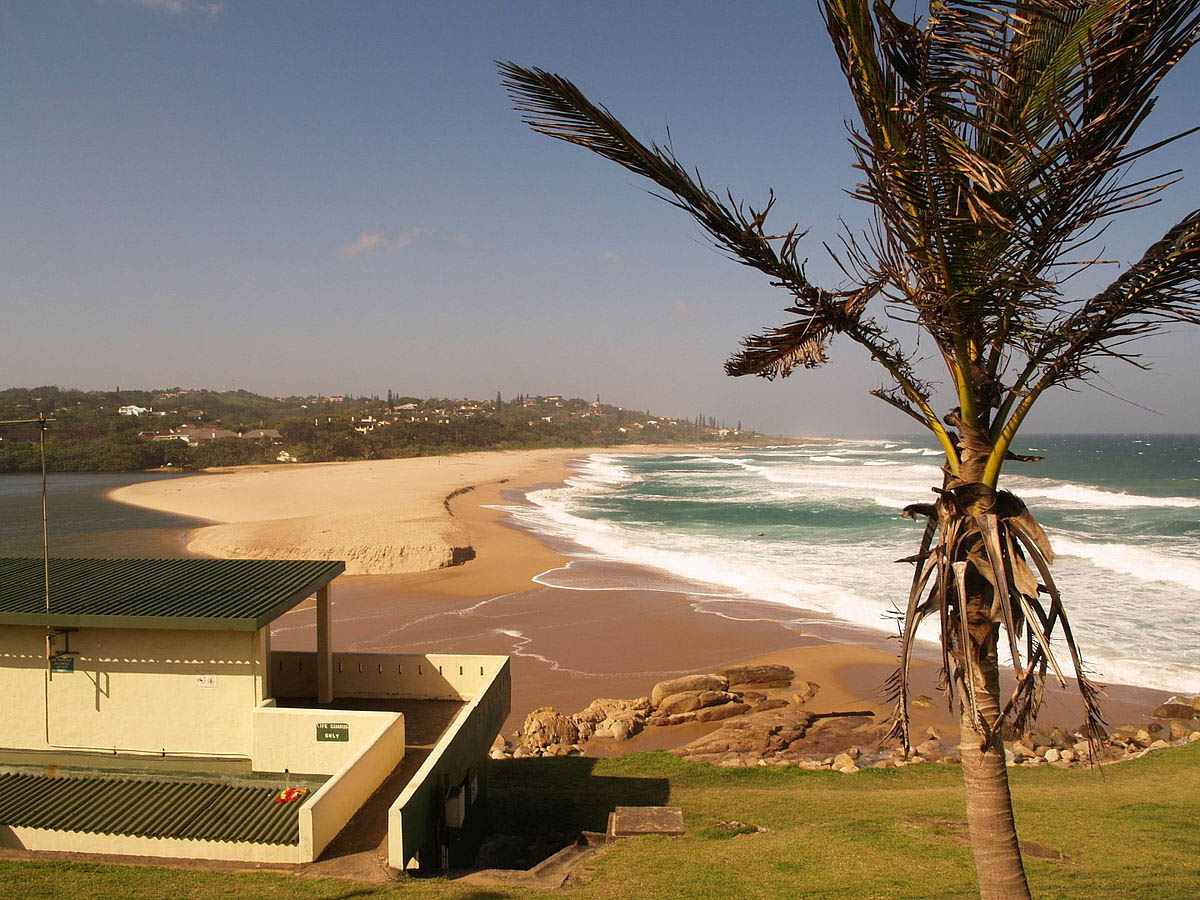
x,y
988,536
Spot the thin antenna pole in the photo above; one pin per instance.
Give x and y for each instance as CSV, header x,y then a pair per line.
x,y
42,423
45,517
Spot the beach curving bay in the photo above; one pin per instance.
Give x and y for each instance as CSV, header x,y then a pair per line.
x,y
434,563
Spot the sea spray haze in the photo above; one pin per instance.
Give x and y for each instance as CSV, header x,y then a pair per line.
x,y
818,528
994,141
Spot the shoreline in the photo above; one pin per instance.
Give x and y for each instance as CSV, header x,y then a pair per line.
x,y
568,647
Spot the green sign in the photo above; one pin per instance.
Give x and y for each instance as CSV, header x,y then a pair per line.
x,y
62,664
333,731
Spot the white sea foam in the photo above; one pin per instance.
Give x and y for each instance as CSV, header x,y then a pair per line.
x,y
602,470
1142,563
775,572
1133,606
1081,495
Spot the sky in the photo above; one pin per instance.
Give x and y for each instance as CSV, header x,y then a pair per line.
x,y
326,197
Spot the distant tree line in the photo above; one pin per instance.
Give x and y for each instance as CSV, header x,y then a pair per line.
x,y
89,435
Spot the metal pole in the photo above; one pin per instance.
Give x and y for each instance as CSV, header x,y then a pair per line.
x,y
45,517
42,423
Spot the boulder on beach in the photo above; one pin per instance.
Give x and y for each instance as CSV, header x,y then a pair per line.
x,y
764,676
500,748
546,727
805,691
620,727
749,738
930,749
1175,709
724,711
687,683
764,705
611,718
688,701
1180,731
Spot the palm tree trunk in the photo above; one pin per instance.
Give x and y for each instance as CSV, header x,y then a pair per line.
x,y
989,804
990,820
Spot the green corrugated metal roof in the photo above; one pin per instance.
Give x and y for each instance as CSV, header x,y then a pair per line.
x,y
197,810
223,594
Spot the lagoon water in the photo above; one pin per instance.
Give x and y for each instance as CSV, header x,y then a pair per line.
x,y
817,528
83,521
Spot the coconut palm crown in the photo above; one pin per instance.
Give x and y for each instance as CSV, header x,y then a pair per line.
x,y
994,141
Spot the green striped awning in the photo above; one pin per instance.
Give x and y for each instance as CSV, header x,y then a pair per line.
x,y
210,594
195,810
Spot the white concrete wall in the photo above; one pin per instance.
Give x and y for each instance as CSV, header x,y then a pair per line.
x,y
286,739
133,690
406,676
328,810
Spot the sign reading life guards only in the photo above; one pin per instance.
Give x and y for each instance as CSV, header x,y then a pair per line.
x,y
333,731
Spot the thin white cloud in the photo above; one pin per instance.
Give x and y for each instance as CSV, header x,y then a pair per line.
x,y
607,256
369,242
179,7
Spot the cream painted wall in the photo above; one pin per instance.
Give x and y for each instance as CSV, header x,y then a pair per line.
x,y
134,690
286,739
327,811
409,676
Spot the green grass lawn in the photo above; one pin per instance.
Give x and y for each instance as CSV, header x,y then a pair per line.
x,y
1128,831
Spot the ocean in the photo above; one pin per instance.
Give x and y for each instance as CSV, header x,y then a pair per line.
x,y
814,531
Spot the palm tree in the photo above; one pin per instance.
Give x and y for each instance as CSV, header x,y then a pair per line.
x,y
994,140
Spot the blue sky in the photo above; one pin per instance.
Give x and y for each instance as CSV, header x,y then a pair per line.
x,y
337,197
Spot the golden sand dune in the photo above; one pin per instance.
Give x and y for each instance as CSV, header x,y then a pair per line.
x,y
381,516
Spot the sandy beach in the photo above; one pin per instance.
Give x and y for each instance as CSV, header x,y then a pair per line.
x,y
380,517
433,568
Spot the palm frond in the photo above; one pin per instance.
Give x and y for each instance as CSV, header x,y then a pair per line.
x,y
1161,288
553,106
774,353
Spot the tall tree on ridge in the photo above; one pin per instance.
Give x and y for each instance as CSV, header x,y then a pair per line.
x,y
994,139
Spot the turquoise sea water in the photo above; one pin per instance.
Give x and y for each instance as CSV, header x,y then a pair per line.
x,y
817,528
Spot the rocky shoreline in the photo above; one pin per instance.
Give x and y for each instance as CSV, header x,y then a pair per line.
x,y
763,716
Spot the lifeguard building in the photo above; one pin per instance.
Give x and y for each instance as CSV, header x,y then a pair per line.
x,y
145,713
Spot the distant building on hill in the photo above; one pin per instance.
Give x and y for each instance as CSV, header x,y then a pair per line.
x,y
263,434
197,435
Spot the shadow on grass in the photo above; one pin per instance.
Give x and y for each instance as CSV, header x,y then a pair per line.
x,y
538,806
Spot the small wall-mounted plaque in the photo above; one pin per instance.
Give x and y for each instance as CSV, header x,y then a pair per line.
x,y
206,681
62,664
333,731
